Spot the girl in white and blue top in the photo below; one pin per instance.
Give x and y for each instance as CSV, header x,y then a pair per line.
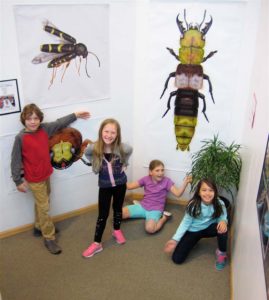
x,y
205,217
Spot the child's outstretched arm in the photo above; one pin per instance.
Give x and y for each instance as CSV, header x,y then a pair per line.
x,y
181,230
133,185
170,246
179,191
82,115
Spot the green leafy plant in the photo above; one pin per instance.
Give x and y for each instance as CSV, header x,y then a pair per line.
x,y
219,162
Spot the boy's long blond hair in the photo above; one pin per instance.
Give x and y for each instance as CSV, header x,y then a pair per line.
x,y
99,145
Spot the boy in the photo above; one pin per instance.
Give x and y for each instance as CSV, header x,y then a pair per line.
x,y
31,152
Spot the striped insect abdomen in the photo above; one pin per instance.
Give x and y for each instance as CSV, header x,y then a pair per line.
x,y
185,117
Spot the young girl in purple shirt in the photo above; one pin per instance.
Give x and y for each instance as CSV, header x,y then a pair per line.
x,y
156,187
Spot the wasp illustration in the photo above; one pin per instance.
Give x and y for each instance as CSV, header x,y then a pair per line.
x,y
61,53
189,78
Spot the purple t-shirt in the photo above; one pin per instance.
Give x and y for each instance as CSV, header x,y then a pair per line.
x,y
155,192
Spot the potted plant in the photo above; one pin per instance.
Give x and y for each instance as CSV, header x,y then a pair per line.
x,y
220,163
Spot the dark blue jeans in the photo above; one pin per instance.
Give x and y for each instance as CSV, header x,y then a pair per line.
x,y
190,239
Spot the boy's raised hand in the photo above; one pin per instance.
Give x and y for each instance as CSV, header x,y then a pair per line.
x,y
82,115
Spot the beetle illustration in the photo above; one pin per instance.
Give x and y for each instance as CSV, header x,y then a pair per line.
x,y
66,147
61,53
189,78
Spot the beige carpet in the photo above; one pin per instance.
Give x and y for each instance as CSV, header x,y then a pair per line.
x,y
137,270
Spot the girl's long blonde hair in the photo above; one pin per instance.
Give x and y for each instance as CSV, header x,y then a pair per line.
x,y
99,145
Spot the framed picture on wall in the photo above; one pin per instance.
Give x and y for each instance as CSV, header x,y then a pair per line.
x,y
9,97
263,214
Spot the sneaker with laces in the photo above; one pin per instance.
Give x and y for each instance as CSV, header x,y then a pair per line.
x,y
93,249
52,246
118,235
167,213
136,202
221,260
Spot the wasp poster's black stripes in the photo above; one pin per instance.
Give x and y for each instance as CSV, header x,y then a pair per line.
x,y
57,48
58,61
60,34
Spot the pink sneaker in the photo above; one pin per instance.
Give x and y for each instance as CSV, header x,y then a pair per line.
x,y
118,235
92,249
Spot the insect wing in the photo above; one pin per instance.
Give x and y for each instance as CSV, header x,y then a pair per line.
x,y
45,57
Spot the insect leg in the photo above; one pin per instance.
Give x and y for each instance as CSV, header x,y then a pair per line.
x,y
204,106
53,76
172,52
173,74
206,77
66,66
209,55
169,101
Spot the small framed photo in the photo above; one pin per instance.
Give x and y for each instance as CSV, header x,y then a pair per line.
x,y
9,97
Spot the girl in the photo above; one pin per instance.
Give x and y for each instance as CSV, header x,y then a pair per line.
x,y
156,187
109,158
205,217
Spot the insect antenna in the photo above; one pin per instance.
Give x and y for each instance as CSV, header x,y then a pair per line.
x,y
87,62
186,19
96,57
203,20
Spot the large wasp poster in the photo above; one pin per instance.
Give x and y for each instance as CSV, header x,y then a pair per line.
x,y
263,214
64,53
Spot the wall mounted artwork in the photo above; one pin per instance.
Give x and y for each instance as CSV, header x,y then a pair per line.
x,y
263,214
189,78
9,97
63,53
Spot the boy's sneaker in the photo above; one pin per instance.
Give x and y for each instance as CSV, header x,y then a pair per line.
x,y
92,249
52,246
118,235
37,232
167,213
221,260
136,202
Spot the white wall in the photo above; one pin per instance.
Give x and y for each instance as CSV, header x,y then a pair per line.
x,y
80,191
248,271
